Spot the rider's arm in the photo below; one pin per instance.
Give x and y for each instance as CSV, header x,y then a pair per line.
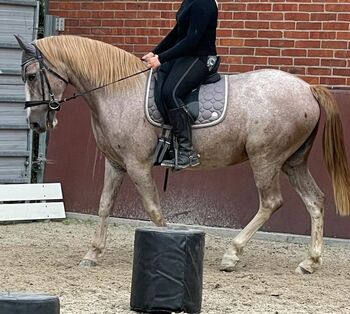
x,y
168,42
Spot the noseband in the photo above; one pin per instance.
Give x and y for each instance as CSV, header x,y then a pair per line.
x,y
52,102
43,68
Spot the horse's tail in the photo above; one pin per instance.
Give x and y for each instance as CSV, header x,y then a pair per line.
x,y
334,149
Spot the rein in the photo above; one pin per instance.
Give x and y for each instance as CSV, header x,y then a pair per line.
x,y
52,102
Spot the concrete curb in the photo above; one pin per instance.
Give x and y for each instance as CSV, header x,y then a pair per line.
x,y
217,231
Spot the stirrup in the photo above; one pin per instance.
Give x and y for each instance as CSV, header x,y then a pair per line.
x,y
162,147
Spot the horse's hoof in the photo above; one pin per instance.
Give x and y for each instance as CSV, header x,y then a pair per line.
x,y
303,271
87,263
304,268
229,262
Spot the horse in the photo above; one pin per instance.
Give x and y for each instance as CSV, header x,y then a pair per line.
x,y
271,120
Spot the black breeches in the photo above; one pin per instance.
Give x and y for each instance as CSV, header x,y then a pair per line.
x,y
183,75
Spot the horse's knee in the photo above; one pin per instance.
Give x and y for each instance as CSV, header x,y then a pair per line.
x,y
270,204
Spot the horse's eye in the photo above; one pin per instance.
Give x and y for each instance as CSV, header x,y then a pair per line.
x,y
31,77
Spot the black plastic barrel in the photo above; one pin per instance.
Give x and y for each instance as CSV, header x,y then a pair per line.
x,y
28,303
167,270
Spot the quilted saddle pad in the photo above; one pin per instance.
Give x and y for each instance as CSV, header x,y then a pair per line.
x,y
212,103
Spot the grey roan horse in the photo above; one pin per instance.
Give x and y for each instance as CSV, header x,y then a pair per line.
x,y
272,121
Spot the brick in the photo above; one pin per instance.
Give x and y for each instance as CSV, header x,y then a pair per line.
x,y
69,6
322,35
307,61
320,53
240,68
334,44
285,7
234,7
141,7
231,24
282,43
259,7
224,33
114,6
255,60
256,43
341,72
125,14
343,35
282,25
280,61
342,26
333,63
92,6
294,52
343,17
297,16
113,23
308,26
338,7
296,34
242,51
222,50
245,16
231,60
160,6
311,7
294,70
225,15
256,25
318,71
323,17
344,54
333,80
273,16
312,80
270,34
136,23
102,14
231,42
244,33
307,44
268,52
89,22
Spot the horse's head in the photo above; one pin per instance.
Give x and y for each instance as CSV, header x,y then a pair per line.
x,y
44,87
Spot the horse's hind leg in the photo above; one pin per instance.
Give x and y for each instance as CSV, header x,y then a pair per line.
x,y
267,182
313,198
113,179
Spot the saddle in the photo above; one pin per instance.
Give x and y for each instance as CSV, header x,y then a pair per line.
x,y
206,105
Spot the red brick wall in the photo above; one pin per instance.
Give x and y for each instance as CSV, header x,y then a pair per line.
x,y
310,38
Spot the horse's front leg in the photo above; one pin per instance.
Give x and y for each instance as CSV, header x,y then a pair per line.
x,y
140,174
113,179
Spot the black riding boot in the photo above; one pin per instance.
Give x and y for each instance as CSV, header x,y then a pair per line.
x,y
186,155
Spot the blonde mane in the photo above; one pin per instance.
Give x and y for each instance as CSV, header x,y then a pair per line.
x,y
99,62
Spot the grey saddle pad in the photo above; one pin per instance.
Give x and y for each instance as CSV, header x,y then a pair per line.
x,y
212,104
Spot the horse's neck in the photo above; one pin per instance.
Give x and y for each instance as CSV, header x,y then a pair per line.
x,y
110,110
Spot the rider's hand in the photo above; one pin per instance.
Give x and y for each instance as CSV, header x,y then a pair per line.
x,y
153,62
147,56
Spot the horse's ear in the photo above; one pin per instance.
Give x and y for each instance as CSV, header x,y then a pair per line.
x,y
24,45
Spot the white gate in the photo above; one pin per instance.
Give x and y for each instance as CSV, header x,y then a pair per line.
x,y
16,17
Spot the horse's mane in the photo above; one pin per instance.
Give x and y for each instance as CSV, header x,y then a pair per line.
x,y
100,62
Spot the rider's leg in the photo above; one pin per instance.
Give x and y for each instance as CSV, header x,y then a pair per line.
x,y
186,74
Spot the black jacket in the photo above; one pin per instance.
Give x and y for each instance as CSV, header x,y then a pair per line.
x,y
194,33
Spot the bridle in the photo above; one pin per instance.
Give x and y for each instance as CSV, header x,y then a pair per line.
x,y
43,69
52,102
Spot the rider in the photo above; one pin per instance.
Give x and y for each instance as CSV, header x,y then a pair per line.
x,y
186,55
